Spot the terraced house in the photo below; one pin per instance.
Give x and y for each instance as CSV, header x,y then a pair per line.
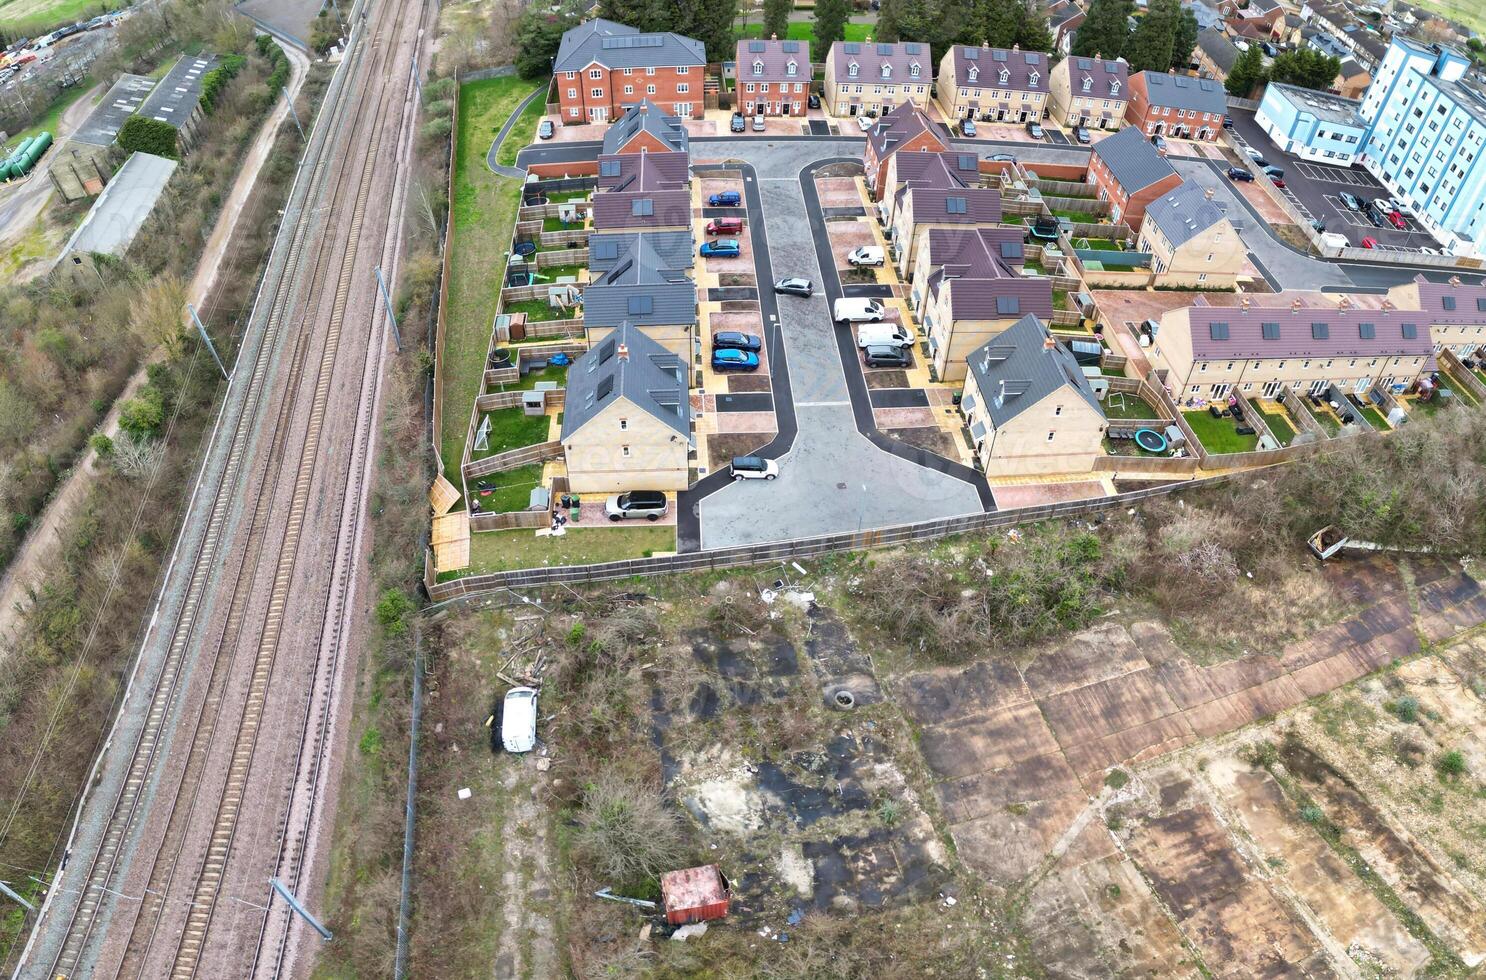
x,y
933,190
994,84
1455,312
773,77
1089,92
875,78
641,288
646,128
903,129
602,68
1163,104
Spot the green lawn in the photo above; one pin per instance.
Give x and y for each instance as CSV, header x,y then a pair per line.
x,y
1280,426
1218,435
1379,423
512,428
1127,406
484,212
557,224
500,550
1462,393
521,134
531,378
1098,244
552,273
804,30
512,489
1468,12
1329,422
562,197
535,310
30,18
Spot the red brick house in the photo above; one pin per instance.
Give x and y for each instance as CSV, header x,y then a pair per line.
x,y
773,77
1127,172
646,128
602,68
905,127
1176,105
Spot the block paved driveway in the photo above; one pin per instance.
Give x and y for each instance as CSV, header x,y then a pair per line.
x,y
832,478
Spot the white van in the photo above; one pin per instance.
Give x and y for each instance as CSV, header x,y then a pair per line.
x,y
518,720
866,255
850,310
890,334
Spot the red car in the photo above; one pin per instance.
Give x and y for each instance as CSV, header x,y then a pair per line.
x,y
1396,220
725,226
1369,242
1277,181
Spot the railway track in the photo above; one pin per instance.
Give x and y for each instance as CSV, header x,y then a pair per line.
x,y
323,170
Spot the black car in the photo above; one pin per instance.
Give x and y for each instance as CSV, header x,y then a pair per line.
x,y
738,124
795,286
545,130
1227,122
1376,215
814,101
886,355
734,340
1239,173
1034,130
1082,135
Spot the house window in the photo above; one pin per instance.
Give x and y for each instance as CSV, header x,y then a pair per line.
x,y
623,425
750,86
1050,436
597,93
684,70
791,69
650,71
1058,410
595,74
629,90
681,88
624,451
650,90
629,71
913,70
572,93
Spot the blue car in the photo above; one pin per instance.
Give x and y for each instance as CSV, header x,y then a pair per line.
x,y
728,359
727,199
724,248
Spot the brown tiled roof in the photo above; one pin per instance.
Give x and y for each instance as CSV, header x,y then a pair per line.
x,y
774,57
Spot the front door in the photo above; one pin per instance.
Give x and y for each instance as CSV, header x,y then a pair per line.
x,y
598,114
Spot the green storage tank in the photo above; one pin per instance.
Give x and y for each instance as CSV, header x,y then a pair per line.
x,y
7,169
33,153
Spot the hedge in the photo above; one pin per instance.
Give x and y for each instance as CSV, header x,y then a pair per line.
x,y
279,77
149,136
214,81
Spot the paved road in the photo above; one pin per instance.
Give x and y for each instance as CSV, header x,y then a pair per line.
x,y
505,131
832,478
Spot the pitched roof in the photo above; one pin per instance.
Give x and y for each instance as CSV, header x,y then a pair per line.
x,y
950,205
1251,27
1351,69
1018,368
980,268
644,171
120,211
1465,303
1307,332
1133,162
1262,6
1184,92
870,57
985,67
1215,44
1064,20
773,58
647,117
899,125
674,249
649,376
641,209
1184,213
1106,79
641,289
948,169
621,46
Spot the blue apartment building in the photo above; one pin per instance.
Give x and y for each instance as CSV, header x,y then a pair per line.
x,y
1312,125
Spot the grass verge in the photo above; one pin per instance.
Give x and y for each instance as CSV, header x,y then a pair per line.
x,y
496,551
523,132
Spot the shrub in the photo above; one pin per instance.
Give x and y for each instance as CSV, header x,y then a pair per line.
x,y
1116,779
437,129
439,90
1451,765
1312,814
214,81
625,831
393,610
102,444
1405,708
149,136
143,416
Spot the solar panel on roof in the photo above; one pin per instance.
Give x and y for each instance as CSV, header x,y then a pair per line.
x,y
852,48
1111,67
885,49
634,41
605,250
642,207
755,46
606,350
641,305
1217,330
954,205
1033,58
1007,305
971,54
998,55
791,47
1448,302
1085,64
1410,331
910,48
606,387
1206,85
1011,250
1270,331
608,168
1180,82
1320,331
968,162
1367,331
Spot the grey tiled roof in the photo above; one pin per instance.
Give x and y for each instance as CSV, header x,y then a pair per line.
x,y
647,117
1184,92
644,171
869,57
1107,79
621,46
650,377
641,289
673,249
1132,160
900,124
1216,46
775,57
1016,369
983,67
1184,213
622,209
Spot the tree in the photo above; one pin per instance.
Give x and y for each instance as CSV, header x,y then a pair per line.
x,y
1003,22
1150,44
776,17
1247,72
1035,34
1184,40
1104,31
149,136
830,25
887,22
709,21
1305,67
538,33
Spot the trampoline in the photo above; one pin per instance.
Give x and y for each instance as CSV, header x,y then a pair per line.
x,y
526,248
1150,440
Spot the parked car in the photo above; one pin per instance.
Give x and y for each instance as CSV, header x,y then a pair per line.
x,y
886,355
518,720
738,123
1081,134
1375,214
1034,130
1350,201
865,122
967,127
1277,181
758,122
1256,156
734,360
1227,122
813,101
545,130
725,199
736,340
1239,173
1396,220
723,248
866,255
649,504
1369,242
725,226
1159,142
1003,158
754,468
1426,250
795,286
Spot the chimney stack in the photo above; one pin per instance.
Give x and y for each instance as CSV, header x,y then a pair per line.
x,y
1048,343
773,37
1208,193
623,352
1295,305
1454,280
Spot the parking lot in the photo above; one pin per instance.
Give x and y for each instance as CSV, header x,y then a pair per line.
x,y
1315,190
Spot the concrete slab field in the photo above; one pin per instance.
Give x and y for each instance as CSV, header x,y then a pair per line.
x,y
175,97
122,101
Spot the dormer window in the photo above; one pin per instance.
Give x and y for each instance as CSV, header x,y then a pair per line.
x,y
1114,86
913,70
852,69
1088,83
887,71
790,68
1032,79
1005,75
758,67
974,73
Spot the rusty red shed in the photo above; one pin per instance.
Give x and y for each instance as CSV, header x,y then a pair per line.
x,y
695,894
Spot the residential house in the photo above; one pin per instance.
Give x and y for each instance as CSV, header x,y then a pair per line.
x,y
942,169
1327,43
646,128
1176,105
863,77
1191,241
660,210
1028,405
1064,20
966,290
650,171
773,77
933,190
1216,54
1426,126
626,421
1089,92
640,288
1352,80
1255,29
1208,352
1343,24
1454,312
675,250
1310,124
1129,173
993,84
602,68
905,128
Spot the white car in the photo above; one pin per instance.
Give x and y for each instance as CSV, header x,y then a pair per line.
x,y
518,720
1253,153
1426,250
865,122
867,255
754,468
